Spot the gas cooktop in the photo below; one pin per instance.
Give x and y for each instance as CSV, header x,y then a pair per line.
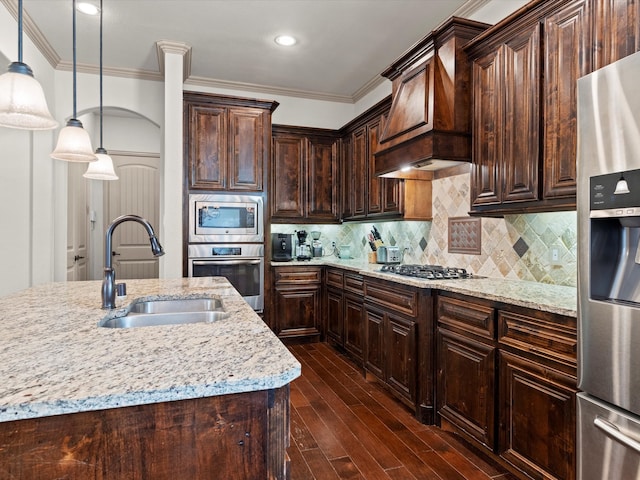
x,y
428,272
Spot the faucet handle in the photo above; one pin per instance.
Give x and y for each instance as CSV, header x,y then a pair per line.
x,y
121,289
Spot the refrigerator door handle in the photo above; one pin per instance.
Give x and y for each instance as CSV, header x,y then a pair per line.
x,y
613,431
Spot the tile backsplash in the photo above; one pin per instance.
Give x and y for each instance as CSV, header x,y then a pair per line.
x,y
516,246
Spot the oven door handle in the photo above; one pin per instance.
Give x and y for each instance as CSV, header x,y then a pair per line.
x,y
612,430
202,263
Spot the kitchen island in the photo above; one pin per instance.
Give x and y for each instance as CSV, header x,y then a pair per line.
x,y
197,400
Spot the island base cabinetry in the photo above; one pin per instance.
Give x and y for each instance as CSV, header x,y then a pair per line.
x,y
239,436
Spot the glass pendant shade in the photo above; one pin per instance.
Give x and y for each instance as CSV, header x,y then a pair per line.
x,y
22,101
74,144
102,169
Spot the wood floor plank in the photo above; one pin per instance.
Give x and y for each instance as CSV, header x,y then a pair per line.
x,y
319,465
300,435
360,430
345,427
298,465
346,469
326,440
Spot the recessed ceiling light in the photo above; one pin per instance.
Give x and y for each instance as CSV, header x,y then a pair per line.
x,y
285,40
88,8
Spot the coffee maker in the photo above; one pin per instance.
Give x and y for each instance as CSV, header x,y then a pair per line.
x,y
282,247
303,250
316,244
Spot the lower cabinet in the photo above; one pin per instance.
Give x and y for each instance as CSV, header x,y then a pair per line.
x,y
344,311
398,338
507,382
537,418
466,396
297,312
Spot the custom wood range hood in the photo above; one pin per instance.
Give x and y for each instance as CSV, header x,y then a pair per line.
x,y
429,124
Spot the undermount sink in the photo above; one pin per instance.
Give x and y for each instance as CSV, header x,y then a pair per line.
x,y
150,313
156,319
177,306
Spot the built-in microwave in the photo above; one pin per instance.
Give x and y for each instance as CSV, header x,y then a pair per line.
x,y
218,218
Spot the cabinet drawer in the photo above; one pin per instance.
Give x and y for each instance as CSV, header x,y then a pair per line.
x,y
467,317
354,283
296,275
396,299
549,336
334,277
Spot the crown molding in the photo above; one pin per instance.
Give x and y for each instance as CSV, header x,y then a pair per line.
x,y
252,87
470,7
167,46
368,87
111,71
33,32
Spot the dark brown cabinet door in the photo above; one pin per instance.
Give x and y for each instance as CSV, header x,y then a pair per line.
x,y
374,184
322,180
298,311
347,177
567,57
401,349
335,316
354,326
617,30
466,385
245,149
207,147
374,346
520,153
360,172
487,103
287,168
538,418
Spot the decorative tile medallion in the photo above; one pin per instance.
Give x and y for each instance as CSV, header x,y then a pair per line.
x,y
465,235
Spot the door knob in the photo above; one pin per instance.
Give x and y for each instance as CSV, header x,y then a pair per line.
x,y
77,257
114,253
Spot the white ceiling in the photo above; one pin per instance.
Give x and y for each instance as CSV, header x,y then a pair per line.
x,y
343,44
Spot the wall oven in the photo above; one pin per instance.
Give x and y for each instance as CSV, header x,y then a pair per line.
x,y
241,264
215,218
608,163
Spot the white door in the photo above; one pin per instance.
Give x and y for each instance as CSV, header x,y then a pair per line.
x,y
136,192
77,223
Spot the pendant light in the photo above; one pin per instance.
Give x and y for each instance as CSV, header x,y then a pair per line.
x,y
103,168
22,101
74,144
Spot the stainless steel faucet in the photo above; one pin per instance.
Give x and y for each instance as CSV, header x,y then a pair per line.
x,y
109,280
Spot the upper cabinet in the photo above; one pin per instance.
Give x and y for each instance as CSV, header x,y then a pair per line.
x,y
227,141
304,175
366,195
430,117
525,71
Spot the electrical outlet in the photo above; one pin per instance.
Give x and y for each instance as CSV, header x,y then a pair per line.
x,y
554,255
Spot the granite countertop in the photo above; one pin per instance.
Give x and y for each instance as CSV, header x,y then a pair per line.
x,y
556,299
54,359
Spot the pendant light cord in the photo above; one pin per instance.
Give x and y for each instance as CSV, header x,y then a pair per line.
x,y
20,31
100,74
74,60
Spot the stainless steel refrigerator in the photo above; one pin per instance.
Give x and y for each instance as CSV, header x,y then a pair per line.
x,y
609,272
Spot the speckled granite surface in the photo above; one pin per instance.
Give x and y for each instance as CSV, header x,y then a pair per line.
x,y
54,359
539,296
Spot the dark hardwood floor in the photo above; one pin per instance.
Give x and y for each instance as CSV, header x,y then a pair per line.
x,y
344,427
